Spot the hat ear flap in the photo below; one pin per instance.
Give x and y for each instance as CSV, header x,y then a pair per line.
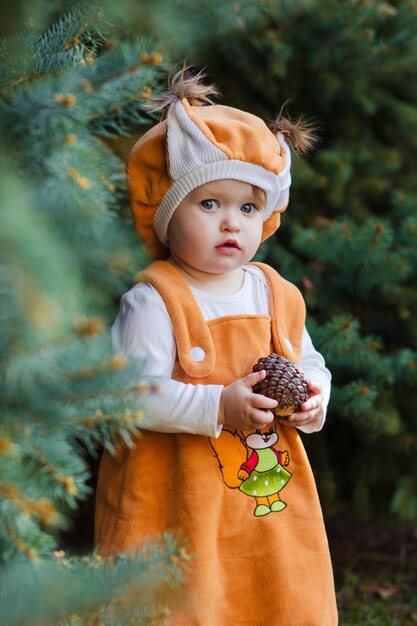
x,y
271,224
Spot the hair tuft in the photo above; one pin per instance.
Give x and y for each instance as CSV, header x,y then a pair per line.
x,y
185,84
299,134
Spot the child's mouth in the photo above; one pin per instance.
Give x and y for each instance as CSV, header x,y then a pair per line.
x,y
228,247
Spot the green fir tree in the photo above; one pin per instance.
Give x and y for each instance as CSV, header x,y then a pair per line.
x,y
67,252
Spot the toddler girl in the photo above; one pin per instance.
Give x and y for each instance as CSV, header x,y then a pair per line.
x,y
207,186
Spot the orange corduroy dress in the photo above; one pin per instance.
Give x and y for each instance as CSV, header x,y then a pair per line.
x,y
260,553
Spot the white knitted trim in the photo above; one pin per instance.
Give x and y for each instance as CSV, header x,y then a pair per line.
x,y
188,147
276,188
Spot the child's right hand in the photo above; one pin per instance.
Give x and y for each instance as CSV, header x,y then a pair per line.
x,y
242,408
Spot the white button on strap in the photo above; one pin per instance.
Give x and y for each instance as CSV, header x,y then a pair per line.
x,y
197,354
289,345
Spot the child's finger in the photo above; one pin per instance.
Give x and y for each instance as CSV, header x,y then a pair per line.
x,y
303,417
254,377
258,401
297,419
314,386
294,421
312,403
261,418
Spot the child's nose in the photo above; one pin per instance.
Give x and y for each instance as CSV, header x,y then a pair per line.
x,y
230,222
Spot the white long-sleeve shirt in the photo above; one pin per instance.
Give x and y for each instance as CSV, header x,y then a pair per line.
x,y
143,330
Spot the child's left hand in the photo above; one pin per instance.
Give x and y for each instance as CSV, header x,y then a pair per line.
x,y
312,412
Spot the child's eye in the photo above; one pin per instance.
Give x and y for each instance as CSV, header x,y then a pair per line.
x,y
248,208
209,204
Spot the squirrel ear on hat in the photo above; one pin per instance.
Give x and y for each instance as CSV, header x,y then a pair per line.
x,y
184,83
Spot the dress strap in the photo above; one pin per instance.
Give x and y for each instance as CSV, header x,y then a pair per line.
x,y
287,311
196,352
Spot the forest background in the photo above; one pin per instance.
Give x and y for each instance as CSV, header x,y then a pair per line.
x,y
75,83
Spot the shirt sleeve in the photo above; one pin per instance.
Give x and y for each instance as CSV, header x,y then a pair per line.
x,y
313,365
143,331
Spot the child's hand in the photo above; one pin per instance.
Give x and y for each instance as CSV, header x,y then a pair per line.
x,y
242,408
312,412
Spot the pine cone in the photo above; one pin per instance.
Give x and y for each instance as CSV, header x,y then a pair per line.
x,y
283,382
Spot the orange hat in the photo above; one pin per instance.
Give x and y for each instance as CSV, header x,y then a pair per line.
x,y
198,144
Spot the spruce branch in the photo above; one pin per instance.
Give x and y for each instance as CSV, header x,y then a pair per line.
x,y
57,586
33,57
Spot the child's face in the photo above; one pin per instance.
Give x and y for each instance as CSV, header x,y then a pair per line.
x,y
217,227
